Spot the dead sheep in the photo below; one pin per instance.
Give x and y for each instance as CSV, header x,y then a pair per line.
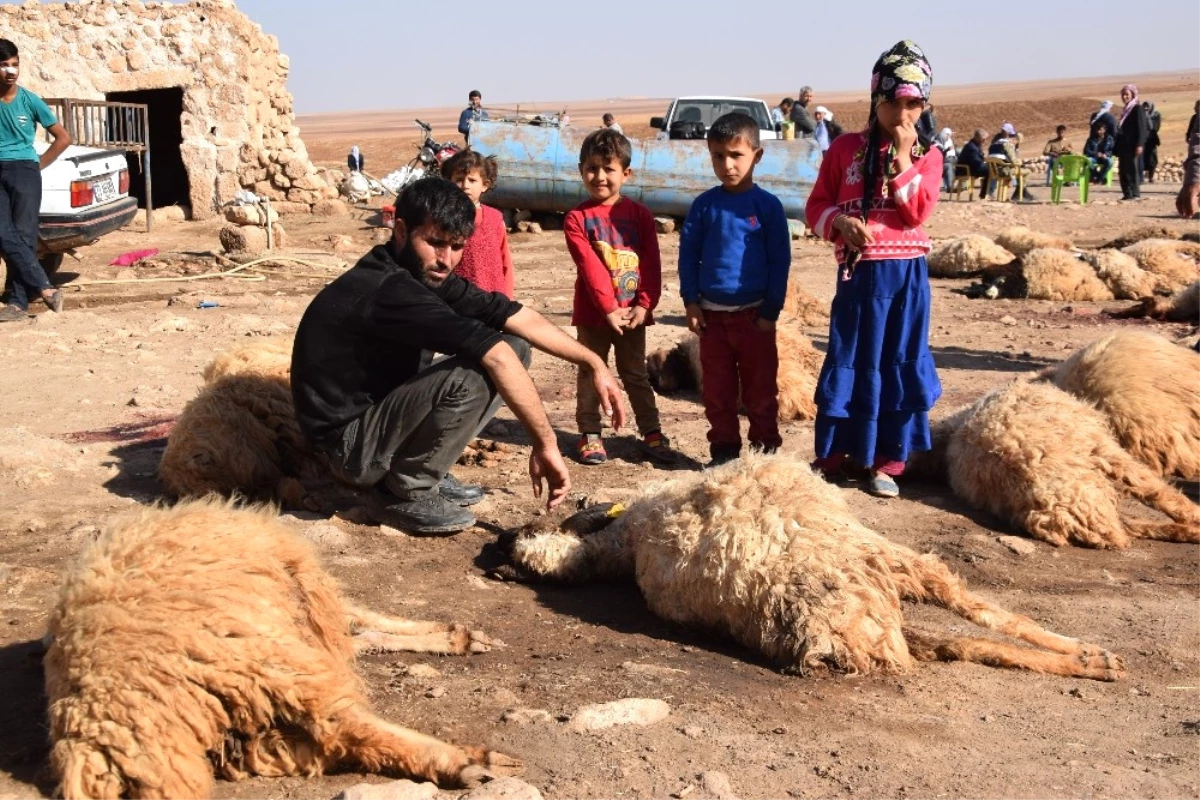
x,y
803,308
1053,274
765,552
678,368
1136,235
206,637
1147,388
1183,306
1122,275
269,358
1049,464
1174,262
966,256
1020,240
240,436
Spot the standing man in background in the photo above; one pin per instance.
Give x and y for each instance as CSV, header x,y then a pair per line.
x,y
805,124
474,112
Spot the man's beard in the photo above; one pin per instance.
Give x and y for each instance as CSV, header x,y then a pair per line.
x,y
408,260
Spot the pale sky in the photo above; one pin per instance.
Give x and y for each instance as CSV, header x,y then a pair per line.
x,y
381,54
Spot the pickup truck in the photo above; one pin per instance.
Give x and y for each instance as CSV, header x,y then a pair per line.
x,y
705,110
85,195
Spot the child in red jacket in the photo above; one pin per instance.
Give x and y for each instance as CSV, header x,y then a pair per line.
x,y
618,283
486,260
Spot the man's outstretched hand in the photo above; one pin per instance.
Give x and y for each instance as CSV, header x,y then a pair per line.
x,y
548,465
610,396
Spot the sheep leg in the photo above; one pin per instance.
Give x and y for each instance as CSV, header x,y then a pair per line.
x,y
924,578
1162,531
363,739
377,633
1146,485
1101,666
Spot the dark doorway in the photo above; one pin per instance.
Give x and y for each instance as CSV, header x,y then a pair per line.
x,y
169,179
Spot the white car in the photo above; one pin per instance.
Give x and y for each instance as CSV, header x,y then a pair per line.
x,y
85,194
705,110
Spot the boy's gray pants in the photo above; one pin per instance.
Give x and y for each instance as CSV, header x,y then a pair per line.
x,y
411,438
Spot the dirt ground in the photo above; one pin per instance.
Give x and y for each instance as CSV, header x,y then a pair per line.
x,y
92,393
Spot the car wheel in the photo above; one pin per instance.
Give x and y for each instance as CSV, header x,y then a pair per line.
x,y
51,262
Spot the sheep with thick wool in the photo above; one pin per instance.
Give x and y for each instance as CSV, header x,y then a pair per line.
x,y
1053,274
206,637
803,308
1135,235
1172,261
269,358
1146,386
1049,464
1020,241
966,256
766,552
1122,275
678,368
240,434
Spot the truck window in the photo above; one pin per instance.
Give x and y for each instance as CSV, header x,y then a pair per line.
x,y
708,110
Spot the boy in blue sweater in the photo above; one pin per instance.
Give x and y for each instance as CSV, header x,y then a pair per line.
x,y
734,254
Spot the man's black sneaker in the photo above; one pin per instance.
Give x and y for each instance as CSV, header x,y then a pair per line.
x,y
424,513
722,454
465,494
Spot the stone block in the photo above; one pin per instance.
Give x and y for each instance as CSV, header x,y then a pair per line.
x,y
243,239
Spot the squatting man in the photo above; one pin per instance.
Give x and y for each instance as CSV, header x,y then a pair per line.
x,y
368,397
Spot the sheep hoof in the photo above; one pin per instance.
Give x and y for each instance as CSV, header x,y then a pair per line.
x,y
482,643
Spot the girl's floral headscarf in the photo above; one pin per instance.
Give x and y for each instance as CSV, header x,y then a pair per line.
x,y
900,72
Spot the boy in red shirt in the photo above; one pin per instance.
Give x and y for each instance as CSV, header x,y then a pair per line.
x,y
618,282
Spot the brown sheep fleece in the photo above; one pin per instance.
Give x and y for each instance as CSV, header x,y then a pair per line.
x,y
1050,465
1173,262
240,435
1183,306
1020,240
766,552
1147,386
678,368
202,638
269,358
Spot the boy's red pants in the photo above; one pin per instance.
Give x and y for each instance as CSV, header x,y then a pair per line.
x,y
735,354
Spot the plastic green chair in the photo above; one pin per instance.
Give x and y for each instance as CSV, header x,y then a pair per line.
x,y
1069,168
1112,168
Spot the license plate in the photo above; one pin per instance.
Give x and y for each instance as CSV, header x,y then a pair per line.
x,y
104,189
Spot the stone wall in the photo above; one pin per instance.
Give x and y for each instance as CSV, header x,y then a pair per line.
x,y
238,127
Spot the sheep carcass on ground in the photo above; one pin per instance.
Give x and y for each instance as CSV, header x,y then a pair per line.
x,y
766,552
1049,464
240,435
1122,275
1183,306
1173,262
1053,274
803,308
1020,240
1147,388
1135,235
966,256
678,368
205,635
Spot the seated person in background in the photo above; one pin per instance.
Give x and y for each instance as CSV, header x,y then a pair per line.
x,y
1058,146
945,142
1099,149
971,157
1004,145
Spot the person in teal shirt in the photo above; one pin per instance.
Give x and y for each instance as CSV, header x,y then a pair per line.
x,y
21,111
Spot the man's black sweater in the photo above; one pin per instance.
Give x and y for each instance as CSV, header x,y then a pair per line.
x,y
363,334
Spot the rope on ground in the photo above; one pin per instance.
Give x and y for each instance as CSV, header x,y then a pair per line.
x,y
260,273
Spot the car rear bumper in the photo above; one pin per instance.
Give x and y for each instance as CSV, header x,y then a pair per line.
x,y
60,232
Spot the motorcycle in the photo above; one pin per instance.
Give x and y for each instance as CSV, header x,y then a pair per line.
x,y
428,161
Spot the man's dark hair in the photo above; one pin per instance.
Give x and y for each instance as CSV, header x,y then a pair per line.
x,y
606,144
439,201
734,125
466,160
607,119
7,50
1060,129
474,93
787,101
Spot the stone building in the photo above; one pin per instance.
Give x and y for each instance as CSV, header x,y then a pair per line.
x,y
220,114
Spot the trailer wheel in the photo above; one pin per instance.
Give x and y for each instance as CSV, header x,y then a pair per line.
x,y
51,262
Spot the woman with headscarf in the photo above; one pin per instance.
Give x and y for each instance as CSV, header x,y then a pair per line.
x,y
1133,130
355,160
1150,154
944,142
873,192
